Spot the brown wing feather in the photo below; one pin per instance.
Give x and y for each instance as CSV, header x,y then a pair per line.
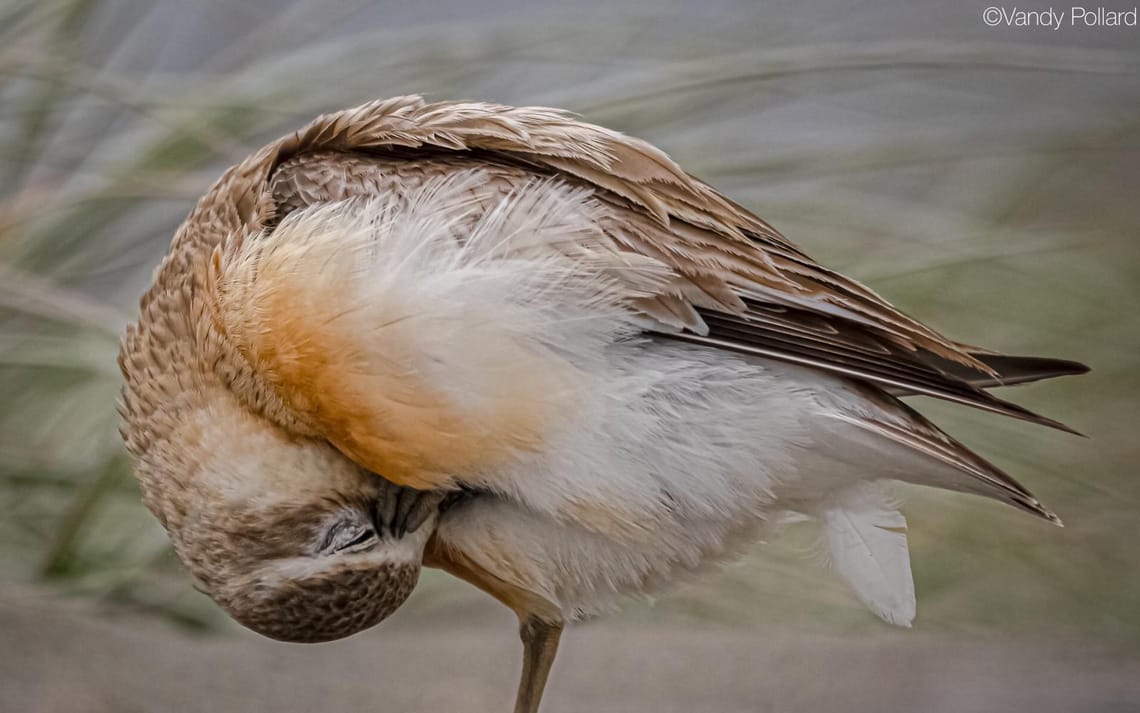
x,y
834,345
1012,370
740,249
740,285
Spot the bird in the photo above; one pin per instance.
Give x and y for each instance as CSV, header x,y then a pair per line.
x,y
531,352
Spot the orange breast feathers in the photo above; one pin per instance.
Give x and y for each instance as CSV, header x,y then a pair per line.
x,y
416,356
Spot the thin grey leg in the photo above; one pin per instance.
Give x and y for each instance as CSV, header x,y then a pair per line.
x,y
540,644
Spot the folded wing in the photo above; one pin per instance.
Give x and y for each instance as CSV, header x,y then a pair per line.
x,y
697,266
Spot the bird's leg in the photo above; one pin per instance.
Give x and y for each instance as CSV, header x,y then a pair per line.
x,y
540,644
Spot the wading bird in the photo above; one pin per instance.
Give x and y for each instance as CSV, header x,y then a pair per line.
x,y
531,352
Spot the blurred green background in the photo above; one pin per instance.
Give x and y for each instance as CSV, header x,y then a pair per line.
x,y
983,179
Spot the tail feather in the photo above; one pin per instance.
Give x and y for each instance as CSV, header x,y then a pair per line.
x,y
901,444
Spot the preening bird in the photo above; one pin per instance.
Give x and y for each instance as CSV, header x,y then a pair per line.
x,y
529,351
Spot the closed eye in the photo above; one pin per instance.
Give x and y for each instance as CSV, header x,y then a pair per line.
x,y
364,536
345,535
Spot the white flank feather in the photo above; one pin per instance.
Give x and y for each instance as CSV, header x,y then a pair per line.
x,y
866,538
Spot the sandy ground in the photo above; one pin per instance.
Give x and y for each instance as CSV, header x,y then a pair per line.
x,y
59,657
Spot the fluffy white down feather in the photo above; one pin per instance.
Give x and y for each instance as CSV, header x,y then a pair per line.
x,y
670,456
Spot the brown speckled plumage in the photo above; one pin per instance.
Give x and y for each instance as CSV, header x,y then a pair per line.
x,y
331,607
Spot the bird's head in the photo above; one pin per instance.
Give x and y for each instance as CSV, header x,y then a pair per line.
x,y
285,533
304,572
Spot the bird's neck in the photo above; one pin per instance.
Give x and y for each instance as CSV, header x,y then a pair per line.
x,y
193,411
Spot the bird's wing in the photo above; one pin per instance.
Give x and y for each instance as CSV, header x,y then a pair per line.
x,y
738,283
733,282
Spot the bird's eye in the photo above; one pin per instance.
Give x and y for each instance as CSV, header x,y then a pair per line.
x,y
346,535
364,536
